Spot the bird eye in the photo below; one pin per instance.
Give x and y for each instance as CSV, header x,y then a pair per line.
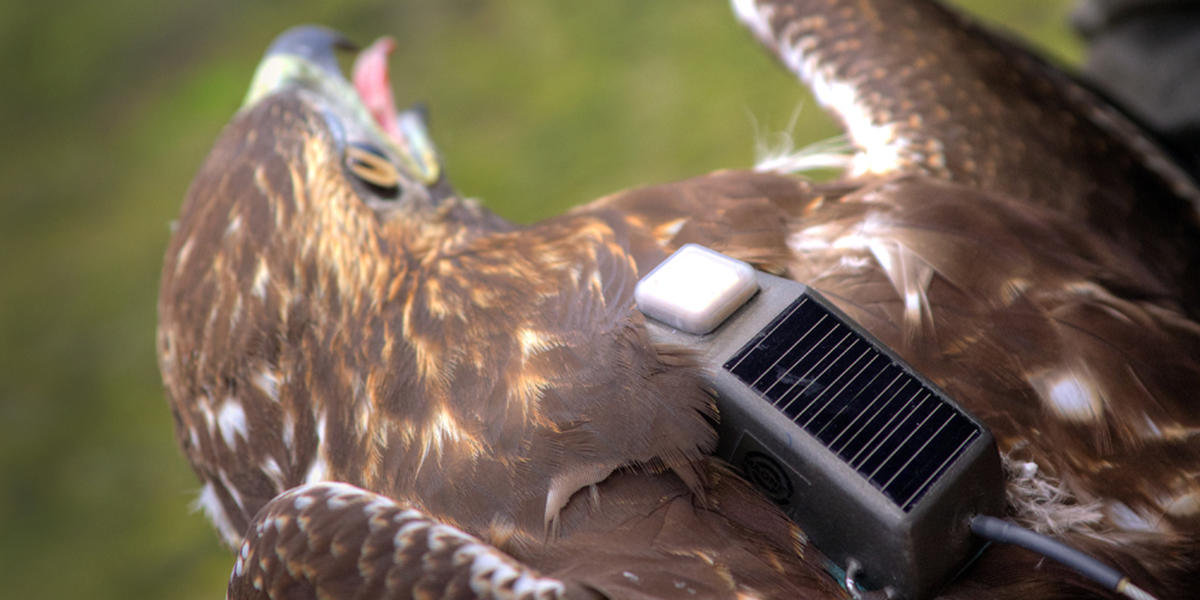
x,y
372,167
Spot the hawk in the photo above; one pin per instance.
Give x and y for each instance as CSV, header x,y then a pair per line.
x,y
389,391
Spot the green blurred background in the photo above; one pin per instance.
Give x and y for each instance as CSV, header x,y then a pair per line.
x,y
108,108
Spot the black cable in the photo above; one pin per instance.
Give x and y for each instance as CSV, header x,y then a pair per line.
x,y
999,530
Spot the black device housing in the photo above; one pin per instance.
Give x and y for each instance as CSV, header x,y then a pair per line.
x,y
885,476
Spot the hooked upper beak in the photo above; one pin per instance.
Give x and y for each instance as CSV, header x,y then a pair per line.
x,y
319,45
307,56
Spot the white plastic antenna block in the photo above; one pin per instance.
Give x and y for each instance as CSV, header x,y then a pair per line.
x,y
695,289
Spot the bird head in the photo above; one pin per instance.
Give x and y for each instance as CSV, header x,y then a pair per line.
x,y
281,280
315,170
389,151
330,309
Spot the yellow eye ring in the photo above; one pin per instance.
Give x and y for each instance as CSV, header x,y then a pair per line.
x,y
373,168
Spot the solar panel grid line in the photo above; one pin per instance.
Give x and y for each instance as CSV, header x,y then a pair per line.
x,y
846,405
767,390
916,408
895,401
916,413
919,451
881,419
795,307
762,336
867,409
853,460
834,396
840,394
816,345
821,360
921,489
816,379
914,454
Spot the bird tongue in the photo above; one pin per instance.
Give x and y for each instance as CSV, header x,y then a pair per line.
x,y
371,81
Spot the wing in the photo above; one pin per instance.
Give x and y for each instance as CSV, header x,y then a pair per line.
x,y
921,90
340,540
496,379
1075,357
317,325
649,541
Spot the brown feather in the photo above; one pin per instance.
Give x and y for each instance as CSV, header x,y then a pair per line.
x,y
497,381
921,90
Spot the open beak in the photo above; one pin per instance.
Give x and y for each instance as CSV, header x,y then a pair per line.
x,y
307,55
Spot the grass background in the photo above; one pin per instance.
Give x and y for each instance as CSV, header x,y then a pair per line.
x,y
108,108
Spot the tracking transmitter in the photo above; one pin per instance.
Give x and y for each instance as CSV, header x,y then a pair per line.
x,y
880,468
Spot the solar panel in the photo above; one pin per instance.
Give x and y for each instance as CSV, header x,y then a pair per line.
x,y
880,469
897,432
